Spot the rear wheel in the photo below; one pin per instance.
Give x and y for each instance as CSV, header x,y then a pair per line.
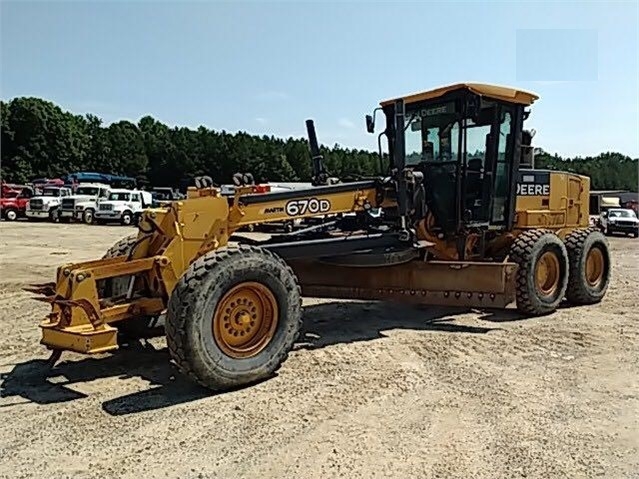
x,y
542,274
233,317
589,263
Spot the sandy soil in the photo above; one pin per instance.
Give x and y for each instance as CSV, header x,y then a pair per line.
x,y
372,390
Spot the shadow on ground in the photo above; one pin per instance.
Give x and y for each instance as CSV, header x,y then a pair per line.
x,y
331,323
325,324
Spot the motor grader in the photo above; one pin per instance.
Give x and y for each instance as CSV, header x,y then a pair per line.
x,y
463,223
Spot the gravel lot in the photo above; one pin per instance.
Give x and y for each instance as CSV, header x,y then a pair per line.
x,y
371,391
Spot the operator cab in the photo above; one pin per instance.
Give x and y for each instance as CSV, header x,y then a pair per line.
x,y
455,152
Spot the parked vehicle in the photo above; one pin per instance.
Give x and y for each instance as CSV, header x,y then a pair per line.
x,y
13,204
123,206
619,220
163,195
46,204
114,181
82,205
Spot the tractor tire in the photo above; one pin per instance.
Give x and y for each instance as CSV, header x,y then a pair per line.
x,y
10,214
226,295
589,266
542,273
138,328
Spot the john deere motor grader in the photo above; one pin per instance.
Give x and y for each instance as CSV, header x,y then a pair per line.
x,y
463,224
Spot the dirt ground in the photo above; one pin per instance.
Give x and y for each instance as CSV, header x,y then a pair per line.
x,y
371,391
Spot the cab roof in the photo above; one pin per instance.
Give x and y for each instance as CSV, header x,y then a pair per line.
x,y
504,93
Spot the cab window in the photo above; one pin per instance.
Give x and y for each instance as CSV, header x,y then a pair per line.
x,y
135,197
432,134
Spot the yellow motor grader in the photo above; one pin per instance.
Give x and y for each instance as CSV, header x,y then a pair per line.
x,y
463,223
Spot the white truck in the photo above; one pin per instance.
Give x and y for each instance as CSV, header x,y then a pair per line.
x,y
619,220
123,206
82,205
46,205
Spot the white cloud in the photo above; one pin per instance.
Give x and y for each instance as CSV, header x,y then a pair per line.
x,y
261,121
346,123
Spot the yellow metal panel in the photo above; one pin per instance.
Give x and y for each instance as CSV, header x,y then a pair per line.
x,y
139,307
329,204
504,93
82,340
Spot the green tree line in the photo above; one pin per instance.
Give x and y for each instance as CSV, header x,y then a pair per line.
x,y
607,171
39,139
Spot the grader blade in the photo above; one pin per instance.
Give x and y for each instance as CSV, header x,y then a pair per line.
x,y
445,283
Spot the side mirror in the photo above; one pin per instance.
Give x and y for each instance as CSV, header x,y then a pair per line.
x,y
370,124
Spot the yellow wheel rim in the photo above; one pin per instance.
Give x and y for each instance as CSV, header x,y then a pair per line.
x,y
547,273
595,266
245,320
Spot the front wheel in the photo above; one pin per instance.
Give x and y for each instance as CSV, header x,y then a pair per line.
x,y
87,216
54,215
542,273
127,218
233,317
10,214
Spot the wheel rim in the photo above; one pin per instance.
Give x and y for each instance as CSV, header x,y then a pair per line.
x,y
595,266
245,320
11,215
547,273
88,217
126,219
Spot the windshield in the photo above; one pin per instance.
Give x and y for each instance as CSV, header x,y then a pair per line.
x,y
432,134
119,197
622,214
51,192
86,190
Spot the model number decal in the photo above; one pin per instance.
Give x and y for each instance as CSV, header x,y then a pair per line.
x,y
311,205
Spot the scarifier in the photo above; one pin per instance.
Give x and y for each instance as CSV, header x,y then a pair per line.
x,y
464,222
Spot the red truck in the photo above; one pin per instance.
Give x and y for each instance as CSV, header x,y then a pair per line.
x,y
13,204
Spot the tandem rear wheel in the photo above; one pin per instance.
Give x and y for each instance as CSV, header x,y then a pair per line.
x,y
550,269
542,273
233,317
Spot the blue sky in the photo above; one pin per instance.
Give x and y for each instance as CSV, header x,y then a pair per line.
x,y
264,67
